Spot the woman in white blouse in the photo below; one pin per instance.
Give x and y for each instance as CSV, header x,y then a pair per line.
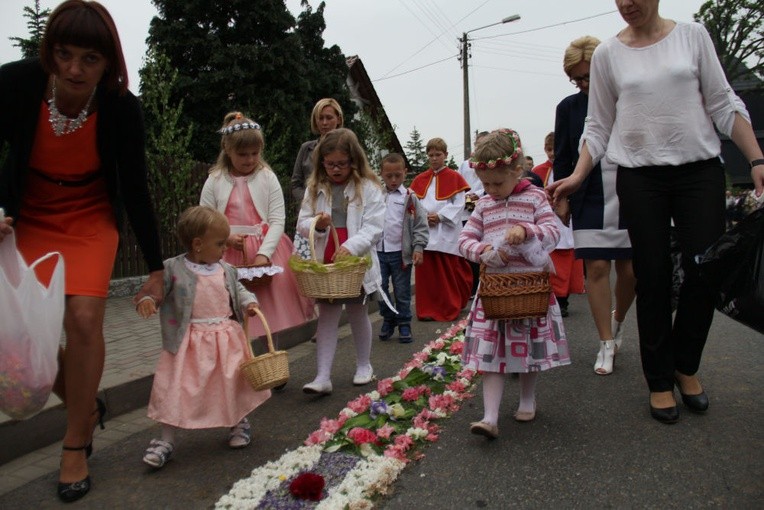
x,y
656,91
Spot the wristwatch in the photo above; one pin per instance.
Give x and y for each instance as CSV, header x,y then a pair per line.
x,y
757,162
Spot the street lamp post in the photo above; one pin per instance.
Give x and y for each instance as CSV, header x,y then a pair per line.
x,y
465,79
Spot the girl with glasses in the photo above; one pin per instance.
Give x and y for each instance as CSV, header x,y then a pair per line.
x,y
345,193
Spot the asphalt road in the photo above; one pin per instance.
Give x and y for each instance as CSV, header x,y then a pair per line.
x,y
593,443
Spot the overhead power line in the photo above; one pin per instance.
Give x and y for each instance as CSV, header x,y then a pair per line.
x,y
420,50
415,69
387,77
545,27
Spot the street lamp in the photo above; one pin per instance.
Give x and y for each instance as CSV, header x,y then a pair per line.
x,y
465,75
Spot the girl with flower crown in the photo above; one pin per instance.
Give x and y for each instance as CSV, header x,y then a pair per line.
x,y
511,230
242,186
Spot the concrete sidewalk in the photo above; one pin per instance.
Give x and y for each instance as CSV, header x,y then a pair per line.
x,y
133,345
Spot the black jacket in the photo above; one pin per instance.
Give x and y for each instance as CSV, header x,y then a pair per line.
x,y
120,142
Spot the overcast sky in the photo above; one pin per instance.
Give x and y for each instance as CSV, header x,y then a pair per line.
x,y
410,47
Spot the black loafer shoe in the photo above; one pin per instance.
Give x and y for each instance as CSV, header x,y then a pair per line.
x,y
696,403
666,415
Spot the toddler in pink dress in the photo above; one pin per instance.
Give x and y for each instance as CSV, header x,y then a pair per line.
x,y
197,383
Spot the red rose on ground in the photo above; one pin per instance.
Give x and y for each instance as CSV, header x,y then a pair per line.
x,y
307,486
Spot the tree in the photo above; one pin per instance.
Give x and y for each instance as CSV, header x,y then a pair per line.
x,y
36,20
168,135
737,30
325,69
415,152
253,57
452,164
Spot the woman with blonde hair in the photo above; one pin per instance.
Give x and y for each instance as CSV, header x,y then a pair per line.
x,y
326,116
599,232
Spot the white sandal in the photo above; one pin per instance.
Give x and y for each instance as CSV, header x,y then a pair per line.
x,y
158,453
240,435
605,357
617,329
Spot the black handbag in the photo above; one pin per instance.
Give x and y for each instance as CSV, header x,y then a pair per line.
x,y
734,265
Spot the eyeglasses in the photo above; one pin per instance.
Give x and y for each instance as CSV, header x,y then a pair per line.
x,y
578,80
340,165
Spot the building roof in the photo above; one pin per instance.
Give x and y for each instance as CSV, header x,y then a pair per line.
x,y
362,91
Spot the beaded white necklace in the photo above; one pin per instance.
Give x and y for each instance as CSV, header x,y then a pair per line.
x,y
61,124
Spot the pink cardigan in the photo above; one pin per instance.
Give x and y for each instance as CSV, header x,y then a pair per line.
x,y
526,206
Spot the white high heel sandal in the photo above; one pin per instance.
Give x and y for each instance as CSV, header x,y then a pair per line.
x,y
617,329
605,358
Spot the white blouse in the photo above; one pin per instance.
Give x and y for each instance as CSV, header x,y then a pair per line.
x,y
657,105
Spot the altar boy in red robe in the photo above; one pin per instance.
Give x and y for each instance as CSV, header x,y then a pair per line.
x,y
444,279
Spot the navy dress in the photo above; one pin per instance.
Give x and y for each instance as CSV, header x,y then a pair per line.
x,y
599,231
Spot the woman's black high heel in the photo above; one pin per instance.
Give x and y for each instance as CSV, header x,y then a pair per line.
x,y
101,410
69,492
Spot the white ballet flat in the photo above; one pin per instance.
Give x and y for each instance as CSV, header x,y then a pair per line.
x,y
617,329
363,375
318,388
605,357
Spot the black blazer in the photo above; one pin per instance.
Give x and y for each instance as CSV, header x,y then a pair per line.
x,y
120,139
568,128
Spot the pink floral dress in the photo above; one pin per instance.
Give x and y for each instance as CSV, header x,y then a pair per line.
x,y
522,345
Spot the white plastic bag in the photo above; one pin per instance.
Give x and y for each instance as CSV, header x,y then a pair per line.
x,y
31,319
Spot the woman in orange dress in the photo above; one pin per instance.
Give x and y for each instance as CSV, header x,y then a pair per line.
x,y
76,161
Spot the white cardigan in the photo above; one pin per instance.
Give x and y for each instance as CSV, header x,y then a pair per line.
x,y
265,189
364,223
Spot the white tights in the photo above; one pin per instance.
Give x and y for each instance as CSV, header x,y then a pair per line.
x,y
493,389
326,336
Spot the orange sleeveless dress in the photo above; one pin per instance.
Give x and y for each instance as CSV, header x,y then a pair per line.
x,y
77,221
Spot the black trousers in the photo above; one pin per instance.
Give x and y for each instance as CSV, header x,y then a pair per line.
x,y
693,196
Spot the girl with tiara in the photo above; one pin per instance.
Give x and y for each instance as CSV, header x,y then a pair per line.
x,y
242,186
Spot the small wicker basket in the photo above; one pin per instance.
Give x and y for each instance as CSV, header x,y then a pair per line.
x,y
267,370
253,283
335,282
514,295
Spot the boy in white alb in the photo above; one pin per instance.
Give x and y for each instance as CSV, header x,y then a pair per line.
x,y
444,279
